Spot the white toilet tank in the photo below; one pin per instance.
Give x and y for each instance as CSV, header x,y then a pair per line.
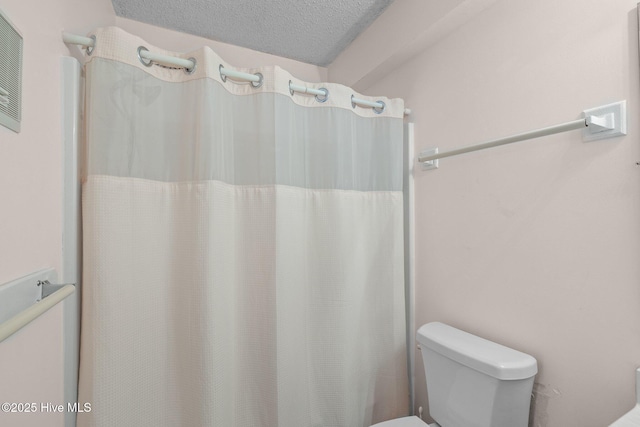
x,y
473,382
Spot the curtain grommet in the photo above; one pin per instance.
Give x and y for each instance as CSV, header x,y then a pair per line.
x,y
324,97
192,69
143,60
257,84
291,91
223,77
379,110
89,49
353,104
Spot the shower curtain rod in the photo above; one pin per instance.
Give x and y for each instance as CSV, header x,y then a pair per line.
x,y
189,65
602,122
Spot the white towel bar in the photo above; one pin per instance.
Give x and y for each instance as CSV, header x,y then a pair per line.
x,y
602,122
20,320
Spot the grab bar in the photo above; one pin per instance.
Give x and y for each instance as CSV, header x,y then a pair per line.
x,y
51,295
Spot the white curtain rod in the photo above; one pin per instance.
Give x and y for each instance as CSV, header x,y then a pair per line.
x,y
190,64
601,122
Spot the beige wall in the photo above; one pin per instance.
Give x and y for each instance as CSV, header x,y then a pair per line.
x,y
30,162
31,198
405,29
534,245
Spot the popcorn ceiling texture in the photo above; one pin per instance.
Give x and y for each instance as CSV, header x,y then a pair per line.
x,y
310,31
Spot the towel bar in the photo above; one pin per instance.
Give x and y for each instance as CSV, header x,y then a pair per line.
x,y
50,295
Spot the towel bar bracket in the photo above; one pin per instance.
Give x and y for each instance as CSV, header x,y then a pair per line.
x,y
25,299
48,288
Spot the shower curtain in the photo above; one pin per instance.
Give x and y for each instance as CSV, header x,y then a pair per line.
x,y
243,252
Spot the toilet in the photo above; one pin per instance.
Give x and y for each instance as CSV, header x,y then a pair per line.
x,y
472,382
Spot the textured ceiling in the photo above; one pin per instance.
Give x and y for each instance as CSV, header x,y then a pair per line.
x,y
312,31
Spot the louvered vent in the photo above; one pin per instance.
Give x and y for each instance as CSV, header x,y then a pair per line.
x,y
10,75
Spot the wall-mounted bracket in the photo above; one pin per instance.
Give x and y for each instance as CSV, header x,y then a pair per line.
x,y
429,164
22,293
47,288
23,300
607,121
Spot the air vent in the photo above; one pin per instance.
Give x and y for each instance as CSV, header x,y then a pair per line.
x,y
10,74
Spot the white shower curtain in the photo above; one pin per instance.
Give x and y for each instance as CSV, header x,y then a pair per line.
x,y
243,253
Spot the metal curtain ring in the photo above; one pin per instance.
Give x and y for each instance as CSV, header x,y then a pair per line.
x,y
353,104
325,97
192,69
143,60
379,110
222,76
89,49
259,82
290,90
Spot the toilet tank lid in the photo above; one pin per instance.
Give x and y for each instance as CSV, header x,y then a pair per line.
x,y
477,353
